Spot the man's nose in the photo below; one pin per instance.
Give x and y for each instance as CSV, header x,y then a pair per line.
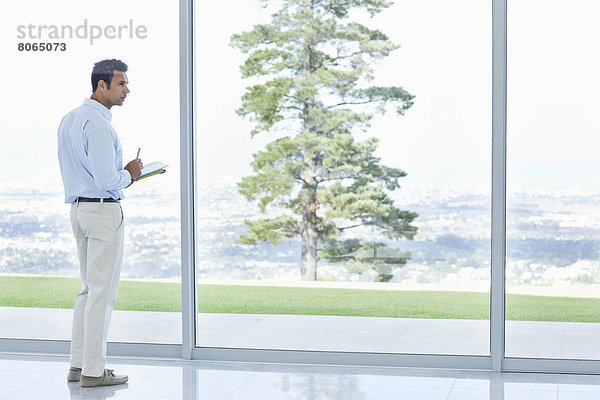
x,y
126,90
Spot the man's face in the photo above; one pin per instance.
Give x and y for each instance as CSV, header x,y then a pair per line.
x,y
118,89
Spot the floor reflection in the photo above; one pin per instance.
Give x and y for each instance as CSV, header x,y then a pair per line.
x,y
28,377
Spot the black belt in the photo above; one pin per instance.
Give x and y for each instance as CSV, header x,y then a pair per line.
x,y
90,200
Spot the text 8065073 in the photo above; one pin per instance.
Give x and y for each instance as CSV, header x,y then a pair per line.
x,y
41,46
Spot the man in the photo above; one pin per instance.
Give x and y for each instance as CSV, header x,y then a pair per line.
x,y
90,157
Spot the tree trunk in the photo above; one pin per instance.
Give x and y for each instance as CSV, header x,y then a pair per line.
x,y
310,233
310,236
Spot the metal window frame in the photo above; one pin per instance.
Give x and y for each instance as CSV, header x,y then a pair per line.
x,y
496,361
188,166
187,350
188,287
489,362
498,218
159,350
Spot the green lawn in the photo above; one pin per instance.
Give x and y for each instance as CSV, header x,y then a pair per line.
x,y
158,296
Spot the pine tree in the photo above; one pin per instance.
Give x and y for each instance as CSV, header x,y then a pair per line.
x,y
312,63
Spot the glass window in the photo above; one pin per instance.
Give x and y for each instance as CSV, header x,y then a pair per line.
x,y
340,257
552,279
48,57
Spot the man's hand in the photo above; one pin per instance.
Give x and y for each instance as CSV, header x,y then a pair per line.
x,y
135,168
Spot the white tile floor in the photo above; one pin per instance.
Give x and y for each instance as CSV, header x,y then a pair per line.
x,y
44,378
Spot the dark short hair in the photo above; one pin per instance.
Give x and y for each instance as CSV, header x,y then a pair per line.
x,y
104,71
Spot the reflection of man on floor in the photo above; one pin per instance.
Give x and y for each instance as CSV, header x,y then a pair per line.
x,y
90,157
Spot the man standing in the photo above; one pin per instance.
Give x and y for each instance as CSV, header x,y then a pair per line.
x,y
90,157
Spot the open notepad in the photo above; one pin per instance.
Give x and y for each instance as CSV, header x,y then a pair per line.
x,y
151,169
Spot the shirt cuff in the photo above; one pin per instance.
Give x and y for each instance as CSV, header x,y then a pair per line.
x,y
128,173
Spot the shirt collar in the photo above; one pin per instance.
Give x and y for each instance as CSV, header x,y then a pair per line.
x,y
98,106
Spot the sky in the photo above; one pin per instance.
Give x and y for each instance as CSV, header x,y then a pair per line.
x,y
444,60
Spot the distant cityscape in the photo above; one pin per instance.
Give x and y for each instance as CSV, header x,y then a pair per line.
x,y
553,237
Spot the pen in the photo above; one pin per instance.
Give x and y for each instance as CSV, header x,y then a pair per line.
x,y
138,153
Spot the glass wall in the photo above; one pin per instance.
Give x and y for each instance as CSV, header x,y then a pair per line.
x,y
48,55
323,223
553,241
343,186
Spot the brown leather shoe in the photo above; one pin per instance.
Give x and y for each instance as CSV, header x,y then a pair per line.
x,y
108,378
74,374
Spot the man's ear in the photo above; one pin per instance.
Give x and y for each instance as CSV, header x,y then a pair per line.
x,y
102,84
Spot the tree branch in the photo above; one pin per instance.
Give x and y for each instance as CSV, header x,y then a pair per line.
x,y
350,227
352,103
356,53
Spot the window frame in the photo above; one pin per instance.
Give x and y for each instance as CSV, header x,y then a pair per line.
x,y
188,350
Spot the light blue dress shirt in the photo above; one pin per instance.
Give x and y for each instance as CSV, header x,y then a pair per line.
x,y
90,154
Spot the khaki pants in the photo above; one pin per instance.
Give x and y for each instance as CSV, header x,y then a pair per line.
x,y
98,229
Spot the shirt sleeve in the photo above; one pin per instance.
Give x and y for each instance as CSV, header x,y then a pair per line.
x,y
101,154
